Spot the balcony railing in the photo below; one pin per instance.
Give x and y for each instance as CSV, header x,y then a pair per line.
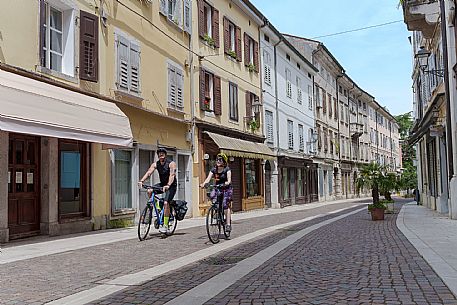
x,y
356,129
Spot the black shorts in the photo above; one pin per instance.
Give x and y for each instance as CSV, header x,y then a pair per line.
x,y
170,194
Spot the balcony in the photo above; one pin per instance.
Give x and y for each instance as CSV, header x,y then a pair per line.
x,y
421,15
356,129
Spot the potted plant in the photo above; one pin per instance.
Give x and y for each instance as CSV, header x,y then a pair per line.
x,y
231,53
207,103
209,40
371,176
254,125
251,67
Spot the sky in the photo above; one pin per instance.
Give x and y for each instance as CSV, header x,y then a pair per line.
x,y
377,59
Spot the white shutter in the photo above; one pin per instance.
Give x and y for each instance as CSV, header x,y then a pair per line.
x,y
188,16
171,86
290,131
123,78
180,89
134,68
301,138
269,126
163,7
178,12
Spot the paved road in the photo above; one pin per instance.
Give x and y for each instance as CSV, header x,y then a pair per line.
x,y
349,261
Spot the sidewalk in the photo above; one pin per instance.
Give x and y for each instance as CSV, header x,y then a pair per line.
x,y
43,245
435,238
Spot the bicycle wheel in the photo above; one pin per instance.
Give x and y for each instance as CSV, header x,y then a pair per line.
x,y
213,225
144,223
224,223
173,222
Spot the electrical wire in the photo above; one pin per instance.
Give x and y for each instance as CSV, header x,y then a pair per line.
x,y
359,29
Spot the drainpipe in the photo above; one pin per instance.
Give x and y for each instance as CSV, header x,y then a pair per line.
x,y
192,102
447,91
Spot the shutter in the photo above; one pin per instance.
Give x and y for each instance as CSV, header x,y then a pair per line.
x,y
238,43
217,95
123,78
246,49
202,89
163,7
178,13
256,56
42,33
88,48
188,16
180,89
134,68
201,18
171,86
216,28
226,35
248,104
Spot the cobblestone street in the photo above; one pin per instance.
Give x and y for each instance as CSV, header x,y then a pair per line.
x,y
352,260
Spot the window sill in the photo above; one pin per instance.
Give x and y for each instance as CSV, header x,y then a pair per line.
x,y
229,57
121,93
57,74
176,110
203,41
210,114
234,122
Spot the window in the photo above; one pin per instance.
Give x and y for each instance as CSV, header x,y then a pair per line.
x,y
210,92
330,112
251,53
317,96
301,138
335,106
319,137
288,57
122,180
232,39
251,168
331,141
299,91
208,23
267,67
128,64
310,97
266,37
311,144
300,181
324,101
57,37
269,126
290,134
342,113
173,10
175,87
288,83
233,101
325,140
285,183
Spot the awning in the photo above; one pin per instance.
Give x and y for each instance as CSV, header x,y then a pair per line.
x,y
241,148
33,107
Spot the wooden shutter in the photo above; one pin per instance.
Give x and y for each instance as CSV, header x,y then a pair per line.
x,y
172,86
134,68
163,7
201,18
216,28
180,89
217,95
178,13
123,70
88,47
42,33
188,16
238,43
202,89
256,56
248,104
226,35
246,49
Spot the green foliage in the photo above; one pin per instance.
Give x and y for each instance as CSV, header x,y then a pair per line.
x,y
231,53
120,223
251,67
378,179
254,125
379,205
408,178
209,40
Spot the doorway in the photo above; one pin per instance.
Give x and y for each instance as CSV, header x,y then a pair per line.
x,y
23,186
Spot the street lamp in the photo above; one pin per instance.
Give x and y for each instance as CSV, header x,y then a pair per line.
x,y
422,58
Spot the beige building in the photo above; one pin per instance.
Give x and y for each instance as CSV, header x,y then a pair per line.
x,y
94,90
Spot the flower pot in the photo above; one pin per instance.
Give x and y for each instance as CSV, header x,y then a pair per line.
x,y
377,214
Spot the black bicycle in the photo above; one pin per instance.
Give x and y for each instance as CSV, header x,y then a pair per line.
x,y
215,217
153,212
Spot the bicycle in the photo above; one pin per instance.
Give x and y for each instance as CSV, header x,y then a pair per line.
x,y
154,210
215,217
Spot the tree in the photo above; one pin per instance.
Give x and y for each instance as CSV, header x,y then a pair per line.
x,y
408,179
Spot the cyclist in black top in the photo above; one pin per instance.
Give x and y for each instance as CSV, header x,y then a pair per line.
x,y
222,175
167,174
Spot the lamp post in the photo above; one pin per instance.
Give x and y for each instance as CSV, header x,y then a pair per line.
x,y
422,58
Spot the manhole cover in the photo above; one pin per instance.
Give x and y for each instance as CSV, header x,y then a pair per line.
x,y
224,260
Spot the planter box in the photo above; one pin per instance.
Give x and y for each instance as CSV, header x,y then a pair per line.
x,y
377,214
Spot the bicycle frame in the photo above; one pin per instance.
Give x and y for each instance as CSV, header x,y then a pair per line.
x,y
154,200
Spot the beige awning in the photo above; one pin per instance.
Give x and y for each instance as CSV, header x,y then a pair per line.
x,y
33,107
241,148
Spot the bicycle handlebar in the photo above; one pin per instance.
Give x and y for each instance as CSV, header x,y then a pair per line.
x,y
156,189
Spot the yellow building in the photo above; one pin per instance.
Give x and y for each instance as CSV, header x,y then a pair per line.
x,y
90,90
226,78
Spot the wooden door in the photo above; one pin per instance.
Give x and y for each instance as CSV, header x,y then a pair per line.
x,y
237,182
268,184
23,186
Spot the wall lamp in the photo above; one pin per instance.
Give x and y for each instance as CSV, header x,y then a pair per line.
x,y
422,57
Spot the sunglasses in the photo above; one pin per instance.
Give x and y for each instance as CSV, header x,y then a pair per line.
x,y
220,160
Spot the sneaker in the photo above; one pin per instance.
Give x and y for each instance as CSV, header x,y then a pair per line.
x,y
163,229
228,228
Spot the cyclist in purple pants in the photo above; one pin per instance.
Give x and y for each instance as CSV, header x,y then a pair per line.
x,y
222,175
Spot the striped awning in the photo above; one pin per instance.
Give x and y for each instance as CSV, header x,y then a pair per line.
x,y
241,148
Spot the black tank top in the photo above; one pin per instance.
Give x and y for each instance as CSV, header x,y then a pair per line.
x,y
164,172
220,178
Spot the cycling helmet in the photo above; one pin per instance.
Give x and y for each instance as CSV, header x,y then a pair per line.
x,y
162,150
223,156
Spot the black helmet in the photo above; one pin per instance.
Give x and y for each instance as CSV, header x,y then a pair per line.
x,y
162,150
